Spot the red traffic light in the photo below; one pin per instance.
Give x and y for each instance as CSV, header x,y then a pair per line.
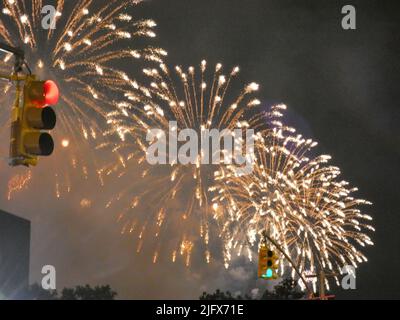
x,y
51,93
41,93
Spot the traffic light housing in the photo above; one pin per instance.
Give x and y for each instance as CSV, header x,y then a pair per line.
x,y
268,263
31,121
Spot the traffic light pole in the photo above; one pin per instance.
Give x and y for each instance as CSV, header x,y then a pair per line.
x,y
322,275
19,62
280,249
18,53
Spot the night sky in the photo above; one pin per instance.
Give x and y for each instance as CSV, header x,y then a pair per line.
x,y
341,88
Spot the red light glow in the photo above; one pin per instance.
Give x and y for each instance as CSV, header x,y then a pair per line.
x,y
51,93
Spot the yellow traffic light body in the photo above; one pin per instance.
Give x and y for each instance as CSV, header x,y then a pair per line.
x,y
262,261
30,116
268,263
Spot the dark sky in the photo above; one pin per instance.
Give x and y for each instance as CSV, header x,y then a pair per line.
x,y
341,88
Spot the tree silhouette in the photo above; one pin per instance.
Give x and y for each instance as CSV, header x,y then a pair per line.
x,y
88,293
219,295
36,292
286,290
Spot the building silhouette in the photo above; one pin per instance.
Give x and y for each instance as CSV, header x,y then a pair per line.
x,y
15,233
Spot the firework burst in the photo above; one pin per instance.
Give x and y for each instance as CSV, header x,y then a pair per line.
x,y
298,200
84,54
175,198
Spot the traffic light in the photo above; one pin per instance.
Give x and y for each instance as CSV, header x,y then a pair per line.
x,y
267,263
29,138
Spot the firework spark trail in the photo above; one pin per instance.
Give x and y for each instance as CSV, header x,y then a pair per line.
x,y
298,200
18,183
81,55
178,194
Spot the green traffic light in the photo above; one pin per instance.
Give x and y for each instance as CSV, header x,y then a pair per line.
x,y
268,274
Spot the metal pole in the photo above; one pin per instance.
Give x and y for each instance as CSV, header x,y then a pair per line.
x,y
322,284
8,49
18,53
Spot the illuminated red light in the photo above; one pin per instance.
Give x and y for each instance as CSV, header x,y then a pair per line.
x,y
51,93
